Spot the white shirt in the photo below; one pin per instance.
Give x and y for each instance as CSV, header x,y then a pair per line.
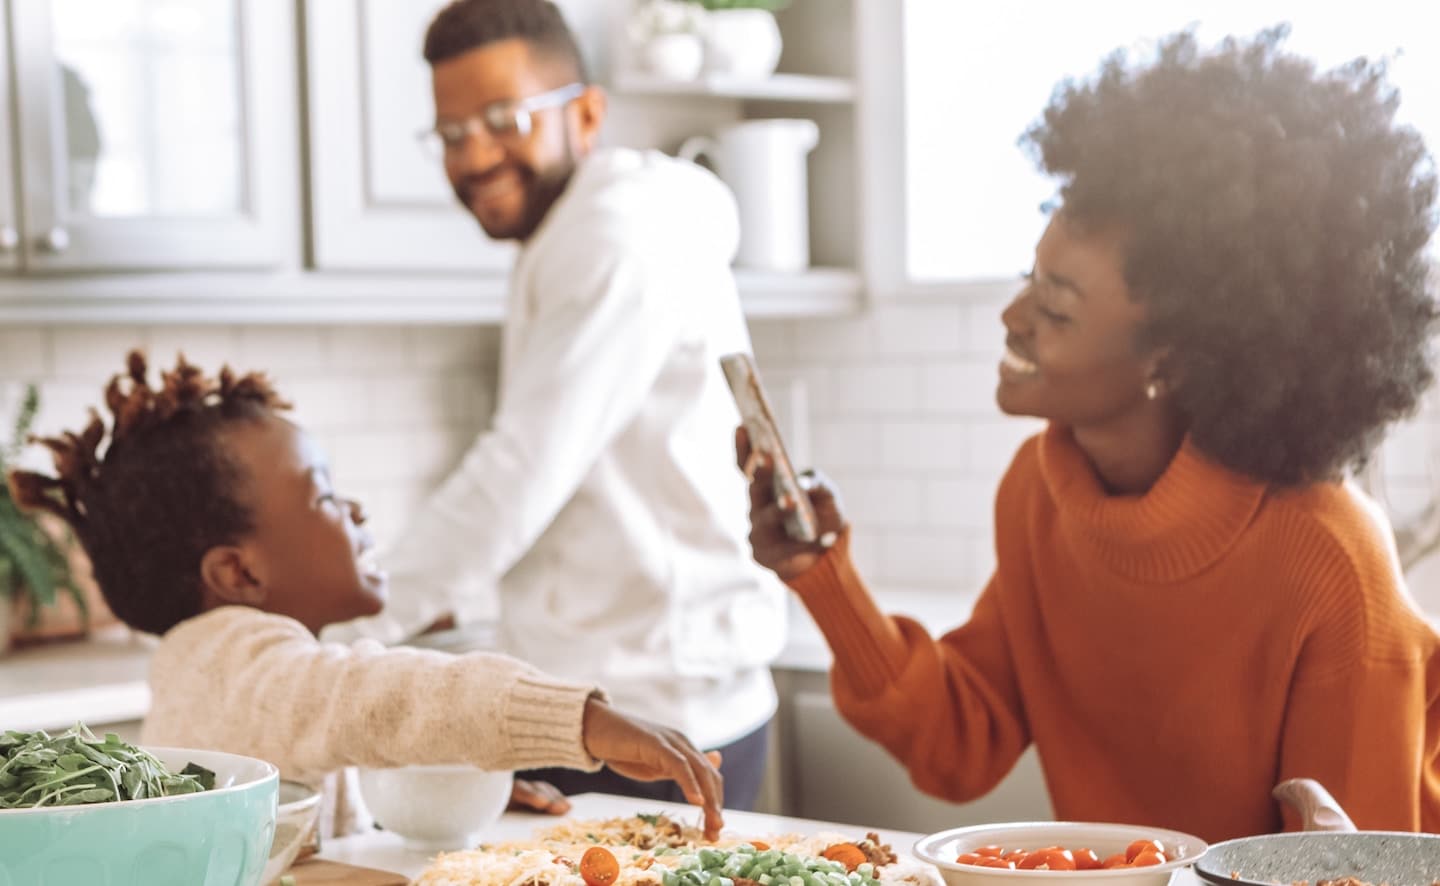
x,y
605,503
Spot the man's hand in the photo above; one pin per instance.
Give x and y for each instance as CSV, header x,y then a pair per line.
x,y
646,752
771,545
538,796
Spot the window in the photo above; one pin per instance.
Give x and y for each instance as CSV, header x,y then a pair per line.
x,y
976,76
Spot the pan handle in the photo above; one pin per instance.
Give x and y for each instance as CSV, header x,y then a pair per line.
x,y
1318,810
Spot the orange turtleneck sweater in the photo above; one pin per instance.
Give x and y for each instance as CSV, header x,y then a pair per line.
x,y
1173,656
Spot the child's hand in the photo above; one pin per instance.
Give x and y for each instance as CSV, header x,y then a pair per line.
x,y
538,796
646,752
771,545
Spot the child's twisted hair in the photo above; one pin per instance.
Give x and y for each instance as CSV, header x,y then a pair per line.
x,y
161,493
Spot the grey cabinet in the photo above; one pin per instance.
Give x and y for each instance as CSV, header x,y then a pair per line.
x,y
826,770
379,201
150,135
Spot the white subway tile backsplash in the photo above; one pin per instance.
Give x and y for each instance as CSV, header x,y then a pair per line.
x,y
882,500
385,455
828,340
208,347
963,388
960,502
924,445
92,354
846,443
420,401
927,559
24,354
454,347
994,442
286,352
870,389
984,334
328,404
770,338
908,331
369,349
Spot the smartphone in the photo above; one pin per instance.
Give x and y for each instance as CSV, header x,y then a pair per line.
x,y
800,523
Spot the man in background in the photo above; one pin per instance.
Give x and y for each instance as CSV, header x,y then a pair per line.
x,y
603,503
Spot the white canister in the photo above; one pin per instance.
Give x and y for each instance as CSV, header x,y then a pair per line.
x,y
763,163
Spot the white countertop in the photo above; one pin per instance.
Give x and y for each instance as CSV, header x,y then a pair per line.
x,y
384,851
101,680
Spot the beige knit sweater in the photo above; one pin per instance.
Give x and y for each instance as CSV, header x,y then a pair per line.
x,y
244,681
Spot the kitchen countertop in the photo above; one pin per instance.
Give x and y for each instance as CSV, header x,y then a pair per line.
x,y
103,680
385,851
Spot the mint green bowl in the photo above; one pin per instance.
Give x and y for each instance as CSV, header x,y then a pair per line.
x,y
219,837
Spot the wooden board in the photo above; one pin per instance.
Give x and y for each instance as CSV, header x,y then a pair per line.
x,y
316,872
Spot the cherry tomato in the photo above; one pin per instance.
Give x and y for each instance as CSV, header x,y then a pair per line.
x,y
1113,861
1140,846
759,845
598,867
1086,860
1049,859
991,851
969,858
995,862
1147,858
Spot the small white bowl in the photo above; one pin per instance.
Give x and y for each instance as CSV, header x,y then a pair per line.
x,y
436,808
295,827
941,849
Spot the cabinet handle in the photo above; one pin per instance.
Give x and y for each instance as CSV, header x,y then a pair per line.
x,y
56,239
9,238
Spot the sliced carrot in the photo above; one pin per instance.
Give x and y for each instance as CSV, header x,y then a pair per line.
x,y
848,854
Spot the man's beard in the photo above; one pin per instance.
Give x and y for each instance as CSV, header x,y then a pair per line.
x,y
540,190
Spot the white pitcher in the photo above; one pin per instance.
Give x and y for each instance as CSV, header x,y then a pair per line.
x,y
763,163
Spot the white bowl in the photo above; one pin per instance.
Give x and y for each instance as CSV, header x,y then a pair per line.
x,y
295,823
942,848
436,808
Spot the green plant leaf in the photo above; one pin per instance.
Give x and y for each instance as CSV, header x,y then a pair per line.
x,y
19,545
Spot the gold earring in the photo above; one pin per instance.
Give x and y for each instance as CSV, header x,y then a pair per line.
x,y
1152,390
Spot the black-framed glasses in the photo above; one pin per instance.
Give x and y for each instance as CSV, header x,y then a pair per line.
x,y
505,121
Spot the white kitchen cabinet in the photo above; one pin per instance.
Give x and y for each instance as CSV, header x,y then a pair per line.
x,y
151,135
379,201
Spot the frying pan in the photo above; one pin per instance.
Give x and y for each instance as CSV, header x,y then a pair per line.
x,y
1330,848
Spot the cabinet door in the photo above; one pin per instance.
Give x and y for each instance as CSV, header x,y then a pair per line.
x,y
9,219
379,199
157,134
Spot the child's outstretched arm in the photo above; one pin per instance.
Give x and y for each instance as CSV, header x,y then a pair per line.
x,y
241,680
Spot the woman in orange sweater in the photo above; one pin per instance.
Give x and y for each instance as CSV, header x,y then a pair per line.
x,y
1189,605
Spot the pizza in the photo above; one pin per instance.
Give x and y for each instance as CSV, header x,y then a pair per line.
x,y
655,850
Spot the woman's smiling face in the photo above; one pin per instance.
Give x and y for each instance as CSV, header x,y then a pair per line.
x,y
1070,353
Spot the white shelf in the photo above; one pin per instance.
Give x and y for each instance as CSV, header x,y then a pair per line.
x,y
778,87
332,298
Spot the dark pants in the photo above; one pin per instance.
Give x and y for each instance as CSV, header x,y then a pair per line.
x,y
742,762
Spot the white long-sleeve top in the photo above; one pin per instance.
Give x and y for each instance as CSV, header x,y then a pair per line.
x,y
604,503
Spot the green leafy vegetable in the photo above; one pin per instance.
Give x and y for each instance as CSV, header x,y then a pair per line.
x,y
75,767
769,867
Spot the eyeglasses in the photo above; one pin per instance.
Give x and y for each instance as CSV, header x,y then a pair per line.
x,y
505,121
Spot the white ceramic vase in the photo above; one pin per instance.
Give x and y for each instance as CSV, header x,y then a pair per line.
x,y
742,43
674,56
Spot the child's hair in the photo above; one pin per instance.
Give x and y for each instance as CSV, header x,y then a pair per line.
x,y
162,492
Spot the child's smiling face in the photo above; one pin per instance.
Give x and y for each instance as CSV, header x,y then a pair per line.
x,y
307,556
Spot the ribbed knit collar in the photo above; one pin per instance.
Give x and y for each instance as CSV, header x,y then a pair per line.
x,y
1187,521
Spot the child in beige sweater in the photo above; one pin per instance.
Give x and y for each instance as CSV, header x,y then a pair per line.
x,y
210,520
